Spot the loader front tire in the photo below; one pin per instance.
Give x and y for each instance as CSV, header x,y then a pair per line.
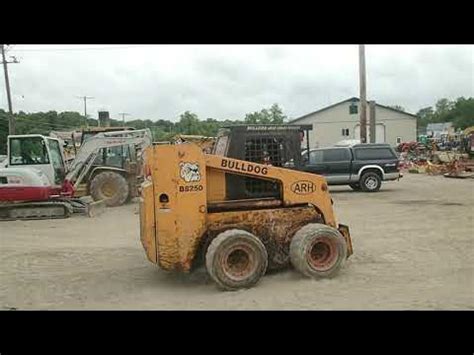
x,y
318,250
236,259
111,187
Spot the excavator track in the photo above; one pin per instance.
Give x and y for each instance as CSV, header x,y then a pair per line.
x,y
35,210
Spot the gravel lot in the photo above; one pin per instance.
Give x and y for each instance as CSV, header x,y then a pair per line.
x,y
413,249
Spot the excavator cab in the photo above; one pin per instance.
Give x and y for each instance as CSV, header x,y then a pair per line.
x,y
42,153
31,180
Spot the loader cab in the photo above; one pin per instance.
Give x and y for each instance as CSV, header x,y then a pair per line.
x,y
278,145
38,152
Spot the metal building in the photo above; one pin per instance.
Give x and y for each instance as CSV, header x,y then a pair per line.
x,y
340,121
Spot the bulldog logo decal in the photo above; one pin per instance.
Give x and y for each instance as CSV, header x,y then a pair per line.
x,y
189,172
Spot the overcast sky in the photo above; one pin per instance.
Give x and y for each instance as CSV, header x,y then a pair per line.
x,y
228,81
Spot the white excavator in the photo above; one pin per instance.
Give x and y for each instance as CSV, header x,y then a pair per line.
x,y
36,183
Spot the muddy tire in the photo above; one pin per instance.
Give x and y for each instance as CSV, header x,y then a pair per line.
x,y
355,186
370,182
318,251
236,259
111,187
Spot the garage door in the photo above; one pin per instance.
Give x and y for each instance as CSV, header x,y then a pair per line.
x,y
379,133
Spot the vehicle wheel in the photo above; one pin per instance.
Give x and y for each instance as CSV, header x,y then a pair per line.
x,y
236,259
111,187
370,182
318,251
355,186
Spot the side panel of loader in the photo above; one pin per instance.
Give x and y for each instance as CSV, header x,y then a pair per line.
x,y
179,175
147,221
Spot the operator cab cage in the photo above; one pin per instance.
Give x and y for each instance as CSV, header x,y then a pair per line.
x,y
278,145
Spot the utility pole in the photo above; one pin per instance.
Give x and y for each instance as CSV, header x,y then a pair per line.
x,y
11,118
85,98
363,95
372,123
123,114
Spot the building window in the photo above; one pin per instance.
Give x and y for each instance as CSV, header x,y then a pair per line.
x,y
345,132
399,140
353,109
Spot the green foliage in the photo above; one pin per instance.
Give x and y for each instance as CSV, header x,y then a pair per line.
x,y
189,124
274,115
3,132
162,130
459,111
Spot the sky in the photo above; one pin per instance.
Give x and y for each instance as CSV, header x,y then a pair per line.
x,y
228,81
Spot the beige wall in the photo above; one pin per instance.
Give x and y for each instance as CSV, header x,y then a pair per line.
x,y
328,125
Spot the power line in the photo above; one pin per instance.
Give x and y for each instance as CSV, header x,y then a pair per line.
x,y
75,49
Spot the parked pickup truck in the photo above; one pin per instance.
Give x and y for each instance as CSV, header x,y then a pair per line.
x,y
361,166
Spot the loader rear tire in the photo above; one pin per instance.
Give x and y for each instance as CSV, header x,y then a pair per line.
x,y
111,187
236,259
318,250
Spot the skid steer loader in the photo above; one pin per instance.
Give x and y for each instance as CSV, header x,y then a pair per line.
x,y
186,217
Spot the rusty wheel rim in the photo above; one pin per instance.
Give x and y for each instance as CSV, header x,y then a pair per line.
x,y
108,189
239,262
322,254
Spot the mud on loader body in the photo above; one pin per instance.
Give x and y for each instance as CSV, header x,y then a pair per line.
x,y
185,217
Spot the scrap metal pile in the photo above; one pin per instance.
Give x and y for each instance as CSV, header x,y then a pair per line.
x,y
426,158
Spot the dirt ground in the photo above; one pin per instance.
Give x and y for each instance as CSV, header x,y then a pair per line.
x,y
413,249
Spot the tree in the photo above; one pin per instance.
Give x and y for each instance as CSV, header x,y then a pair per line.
x,y
274,115
463,113
460,112
210,127
443,106
189,124
425,116
3,131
